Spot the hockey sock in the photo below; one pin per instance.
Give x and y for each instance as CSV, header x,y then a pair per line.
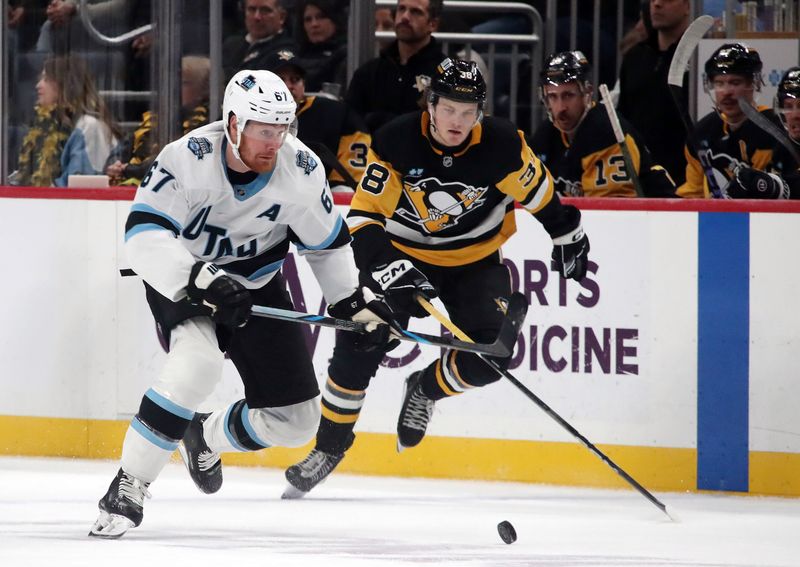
x,y
340,410
442,378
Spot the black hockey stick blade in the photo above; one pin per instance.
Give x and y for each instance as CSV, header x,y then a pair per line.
x,y
770,128
685,49
496,348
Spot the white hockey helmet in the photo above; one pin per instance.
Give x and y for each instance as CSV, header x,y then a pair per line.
x,y
257,95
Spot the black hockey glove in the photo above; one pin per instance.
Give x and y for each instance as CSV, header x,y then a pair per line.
x,y
571,254
229,299
400,282
749,183
382,327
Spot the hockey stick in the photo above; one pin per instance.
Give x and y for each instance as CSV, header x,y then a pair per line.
x,y
549,411
680,61
763,122
501,347
621,141
327,156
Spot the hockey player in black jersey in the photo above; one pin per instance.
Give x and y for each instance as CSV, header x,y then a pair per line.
x,y
738,155
430,214
578,145
329,127
787,106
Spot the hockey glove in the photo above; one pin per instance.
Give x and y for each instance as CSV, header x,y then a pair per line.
x,y
400,282
749,183
571,254
382,327
229,299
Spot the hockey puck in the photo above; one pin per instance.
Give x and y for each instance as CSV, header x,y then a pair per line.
x,y
507,532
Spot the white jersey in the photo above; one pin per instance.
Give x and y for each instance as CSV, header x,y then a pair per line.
x,y
186,210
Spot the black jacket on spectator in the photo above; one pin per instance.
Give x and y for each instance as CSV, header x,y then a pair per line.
x,y
646,102
382,88
324,63
238,53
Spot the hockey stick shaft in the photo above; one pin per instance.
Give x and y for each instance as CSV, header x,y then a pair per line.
x,y
680,61
555,416
494,349
621,141
763,122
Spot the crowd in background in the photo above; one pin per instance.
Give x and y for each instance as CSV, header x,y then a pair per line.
x,y
72,129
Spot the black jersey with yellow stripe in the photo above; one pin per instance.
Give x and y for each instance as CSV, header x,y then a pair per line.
x,y
723,148
592,165
336,126
448,206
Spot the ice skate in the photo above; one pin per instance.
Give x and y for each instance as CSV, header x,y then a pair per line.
x,y
203,464
415,413
121,507
311,471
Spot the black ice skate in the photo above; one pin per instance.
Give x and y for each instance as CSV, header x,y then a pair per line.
x,y
414,415
121,507
312,470
203,464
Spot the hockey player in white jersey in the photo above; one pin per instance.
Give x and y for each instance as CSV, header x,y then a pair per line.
x,y
208,231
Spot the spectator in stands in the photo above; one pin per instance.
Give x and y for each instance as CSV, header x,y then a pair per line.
x,y
72,132
578,145
64,32
322,44
264,21
727,155
384,21
394,82
131,159
329,127
25,18
645,98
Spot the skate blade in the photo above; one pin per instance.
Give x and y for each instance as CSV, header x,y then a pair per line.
x,y
110,526
292,493
400,446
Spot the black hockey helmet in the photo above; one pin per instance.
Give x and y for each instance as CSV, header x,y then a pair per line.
x,y
459,80
564,67
789,86
734,59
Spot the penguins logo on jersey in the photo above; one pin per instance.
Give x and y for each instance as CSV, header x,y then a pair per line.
x,y
722,165
568,188
436,205
200,146
305,162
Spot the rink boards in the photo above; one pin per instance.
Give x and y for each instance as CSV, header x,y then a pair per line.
x,y
678,354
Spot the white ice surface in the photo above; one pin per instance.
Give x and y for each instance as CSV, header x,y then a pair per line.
x,y
48,505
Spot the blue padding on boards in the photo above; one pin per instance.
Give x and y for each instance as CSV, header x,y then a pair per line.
x,y
723,333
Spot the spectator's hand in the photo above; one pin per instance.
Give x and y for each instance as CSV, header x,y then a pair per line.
x,y
749,183
15,16
116,170
400,282
210,285
382,327
141,45
60,12
571,254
